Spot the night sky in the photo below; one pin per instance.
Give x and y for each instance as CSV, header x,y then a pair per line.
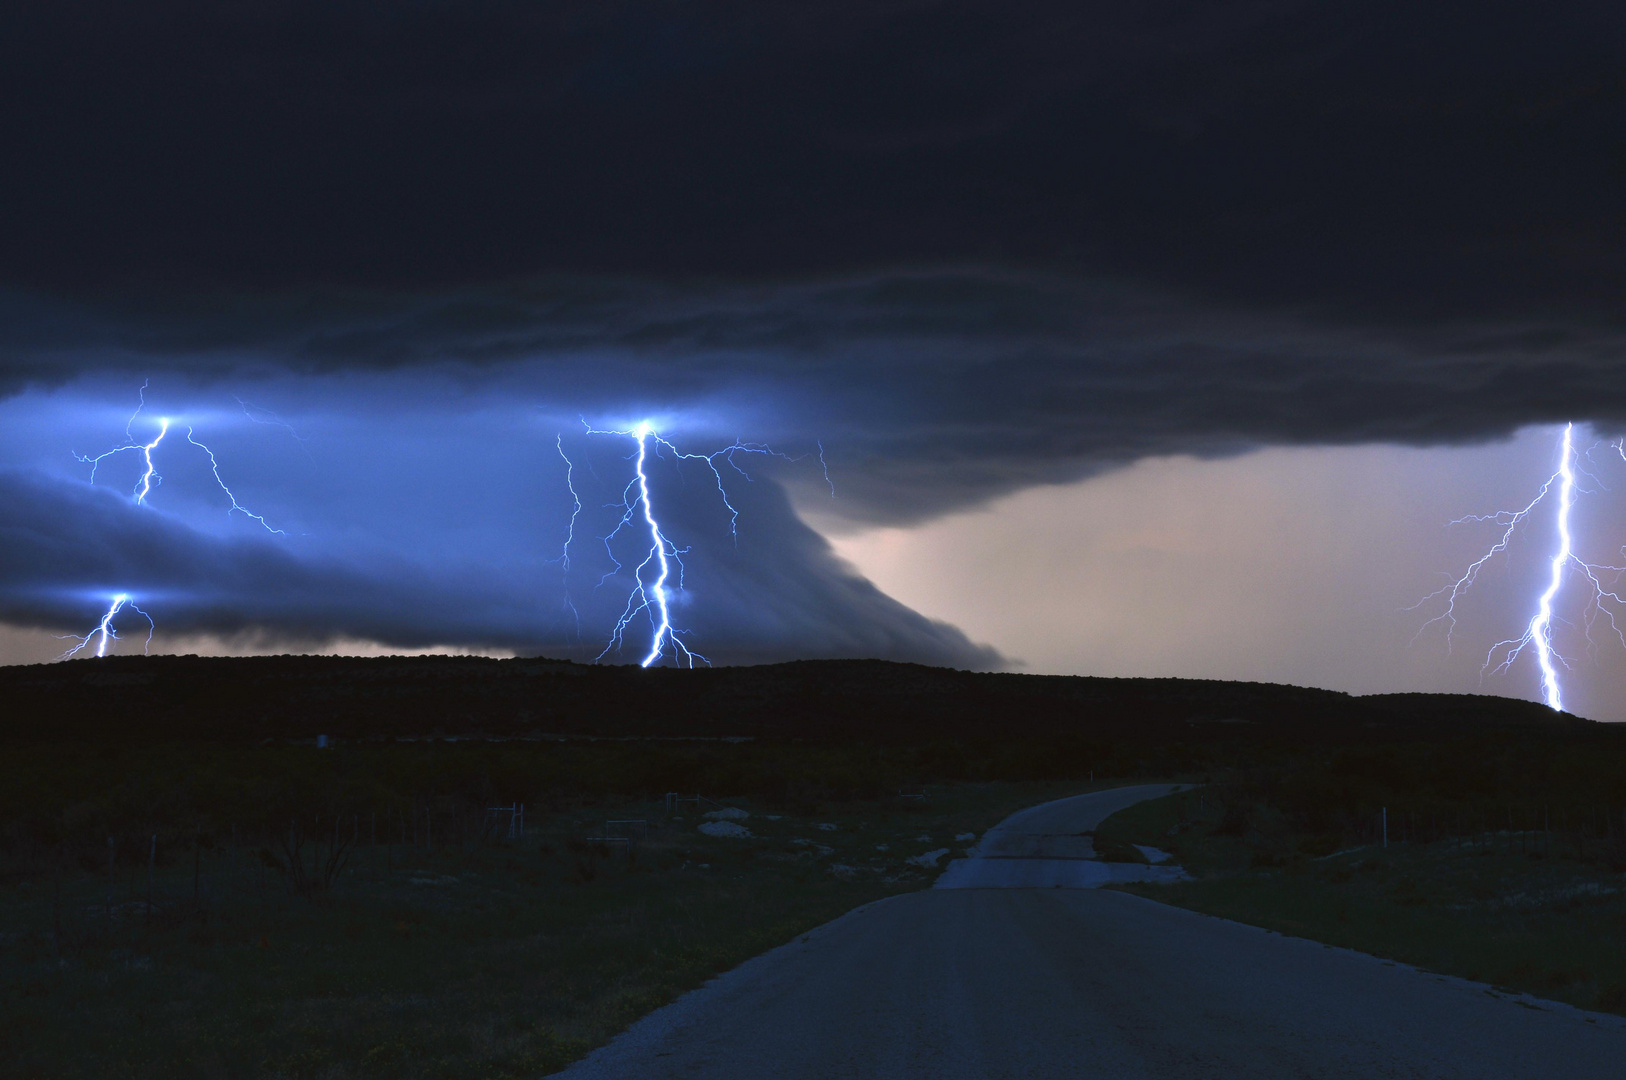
x,y
1158,338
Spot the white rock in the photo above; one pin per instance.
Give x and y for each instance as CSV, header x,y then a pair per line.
x,y
966,836
725,828
923,839
827,827
1153,855
727,813
929,859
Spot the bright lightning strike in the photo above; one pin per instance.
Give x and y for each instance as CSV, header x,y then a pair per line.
x,y
1538,632
104,631
649,596
144,483
149,477
662,559
658,545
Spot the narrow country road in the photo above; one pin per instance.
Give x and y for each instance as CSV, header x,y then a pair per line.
x,y
983,977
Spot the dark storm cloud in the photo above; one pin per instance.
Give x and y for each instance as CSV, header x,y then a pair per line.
x,y
1462,156
69,547
1191,226
930,390
971,247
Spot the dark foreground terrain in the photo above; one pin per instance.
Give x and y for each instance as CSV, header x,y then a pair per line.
x,y
140,699
1002,980
191,886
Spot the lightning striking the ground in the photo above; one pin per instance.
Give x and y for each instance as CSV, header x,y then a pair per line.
x,y
663,552
1538,632
104,632
647,596
661,559
150,476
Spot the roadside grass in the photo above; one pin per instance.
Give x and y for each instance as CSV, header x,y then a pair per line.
x,y
1516,910
468,960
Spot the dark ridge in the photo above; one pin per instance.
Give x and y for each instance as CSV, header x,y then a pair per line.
x,y
163,698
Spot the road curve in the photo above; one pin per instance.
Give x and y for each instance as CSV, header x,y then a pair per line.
x,y
1052,846
1036,983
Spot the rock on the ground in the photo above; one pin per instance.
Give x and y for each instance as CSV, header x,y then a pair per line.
x,y
929,859
727,813
725,828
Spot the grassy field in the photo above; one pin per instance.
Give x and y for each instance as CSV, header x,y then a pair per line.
x,y
450,952
1532,910
496,958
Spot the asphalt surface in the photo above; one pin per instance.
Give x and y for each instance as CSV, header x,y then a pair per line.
x,y
1050,846
1071,982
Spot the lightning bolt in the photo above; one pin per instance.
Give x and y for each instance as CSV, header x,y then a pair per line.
x,y
651,596
658,547
1538,632
661,557
214,466
144,483
653,573
105,632
570,534
825,465
149,477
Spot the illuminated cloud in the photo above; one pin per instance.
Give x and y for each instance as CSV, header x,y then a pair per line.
x,y
66,548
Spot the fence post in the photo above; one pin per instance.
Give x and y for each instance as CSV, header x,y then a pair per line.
x,y
56,901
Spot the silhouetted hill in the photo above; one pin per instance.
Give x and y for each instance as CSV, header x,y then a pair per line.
x,y
139,699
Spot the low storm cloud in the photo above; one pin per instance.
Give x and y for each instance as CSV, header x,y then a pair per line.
x,y
961,251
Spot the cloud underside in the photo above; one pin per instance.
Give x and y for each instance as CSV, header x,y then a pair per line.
x,y
932,389
970,249
69,547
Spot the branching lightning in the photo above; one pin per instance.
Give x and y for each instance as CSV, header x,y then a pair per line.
x,y
825,465
214,467
1538,632
150,476
661,558
144,483
648,595
570,534
104,631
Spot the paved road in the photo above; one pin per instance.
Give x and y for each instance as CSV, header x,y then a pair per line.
x,y
1050,846
1065,982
